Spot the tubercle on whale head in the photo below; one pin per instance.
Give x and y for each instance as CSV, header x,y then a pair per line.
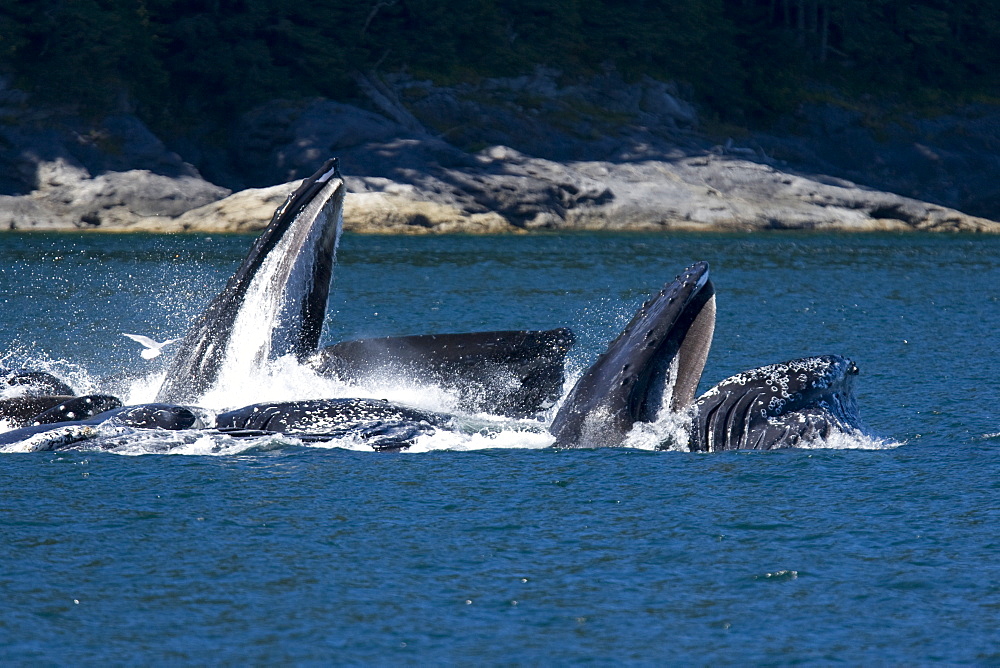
x,y
794,379
751,409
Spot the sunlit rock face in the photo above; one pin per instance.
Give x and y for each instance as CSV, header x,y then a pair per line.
x,y
505,155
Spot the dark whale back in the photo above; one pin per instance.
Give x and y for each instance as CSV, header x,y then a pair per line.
x,y
514,373
58,434
75,409
379,424
36,383
21,411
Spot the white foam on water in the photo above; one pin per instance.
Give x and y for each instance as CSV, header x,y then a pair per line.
x,y
516,438
285,379
849,440
670,430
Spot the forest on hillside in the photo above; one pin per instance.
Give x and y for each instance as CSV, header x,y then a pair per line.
x,y
740,60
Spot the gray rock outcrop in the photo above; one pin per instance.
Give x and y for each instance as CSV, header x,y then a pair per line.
x,y
417,168
60,172
506,191
951,159
69,199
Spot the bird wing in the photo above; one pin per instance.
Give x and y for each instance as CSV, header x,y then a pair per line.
x,y
144,340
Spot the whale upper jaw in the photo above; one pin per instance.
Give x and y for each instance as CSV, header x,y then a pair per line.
x,y
655,363
298,248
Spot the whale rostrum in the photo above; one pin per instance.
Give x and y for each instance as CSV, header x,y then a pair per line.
x,y
291,264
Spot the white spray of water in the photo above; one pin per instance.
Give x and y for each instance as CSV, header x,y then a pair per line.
x,y
143,390
849,440
273,303
284,379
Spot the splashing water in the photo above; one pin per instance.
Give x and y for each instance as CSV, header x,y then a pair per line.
x,y
72,374
850,439
285,379
271,307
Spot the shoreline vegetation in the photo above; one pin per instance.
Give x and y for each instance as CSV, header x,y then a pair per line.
x,y
494,117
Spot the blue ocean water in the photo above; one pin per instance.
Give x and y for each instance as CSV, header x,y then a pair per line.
x,y
500,551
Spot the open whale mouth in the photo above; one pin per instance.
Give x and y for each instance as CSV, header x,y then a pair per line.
x,y
656,362
680,342
275,302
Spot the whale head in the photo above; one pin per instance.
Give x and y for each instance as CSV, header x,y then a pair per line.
x,y
655,363
275,302
777,406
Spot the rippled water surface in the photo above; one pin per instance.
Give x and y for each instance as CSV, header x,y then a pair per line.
x,y
499,550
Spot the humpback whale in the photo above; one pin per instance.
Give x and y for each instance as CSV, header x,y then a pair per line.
x,y
275,304
34,383
656,364
663,348
379,423
777,406
38,397
55,435
513,373
77,408
21,411
289,269
292,260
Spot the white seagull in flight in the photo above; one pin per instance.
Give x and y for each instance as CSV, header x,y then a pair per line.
x,y
151,348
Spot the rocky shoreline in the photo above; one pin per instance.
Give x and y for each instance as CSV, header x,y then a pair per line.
x,y
415,164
